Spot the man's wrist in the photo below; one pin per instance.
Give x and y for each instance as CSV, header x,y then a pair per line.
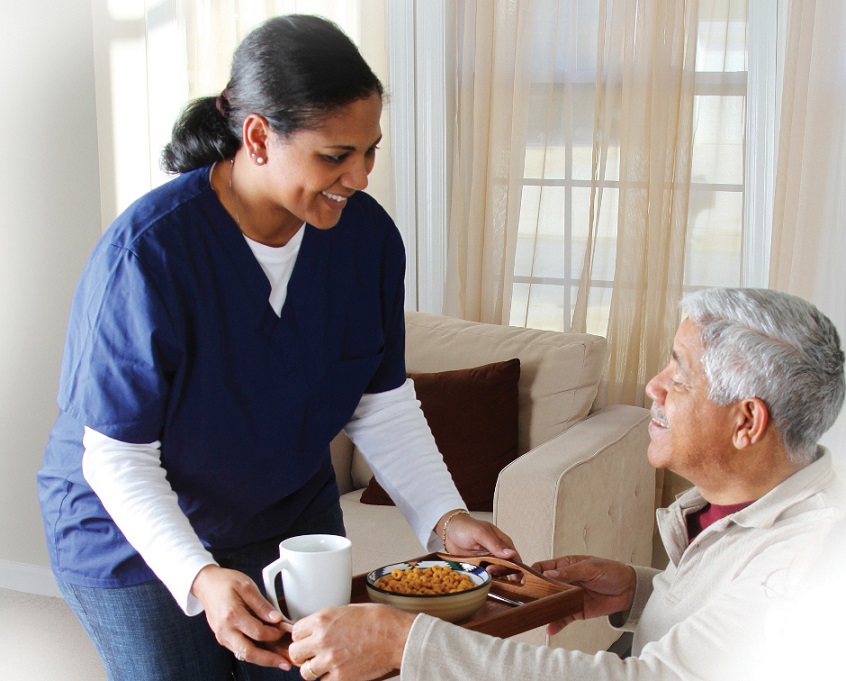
x,y
401,629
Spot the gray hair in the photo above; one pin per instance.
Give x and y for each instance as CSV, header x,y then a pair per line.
x,y
778,348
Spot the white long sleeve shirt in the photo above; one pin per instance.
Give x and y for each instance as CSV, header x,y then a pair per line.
x,y
700,619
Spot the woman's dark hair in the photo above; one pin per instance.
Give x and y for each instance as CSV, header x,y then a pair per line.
x,y
294,70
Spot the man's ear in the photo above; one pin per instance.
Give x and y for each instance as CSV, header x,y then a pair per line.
x,y
752,419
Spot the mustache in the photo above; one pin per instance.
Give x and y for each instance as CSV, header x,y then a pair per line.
x,y
658,416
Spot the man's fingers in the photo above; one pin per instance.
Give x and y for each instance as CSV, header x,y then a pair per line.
x,y
581,571
554,627
558,563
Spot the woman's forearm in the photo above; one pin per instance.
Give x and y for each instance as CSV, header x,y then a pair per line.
x,y
133,488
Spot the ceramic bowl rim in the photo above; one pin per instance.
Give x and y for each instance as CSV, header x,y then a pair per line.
x,y
468,568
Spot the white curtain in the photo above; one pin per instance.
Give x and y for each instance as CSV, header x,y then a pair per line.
x,y
644,107
573,150
809,224
492,93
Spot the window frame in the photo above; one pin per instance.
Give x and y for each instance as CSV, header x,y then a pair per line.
x,y
419,51
429,158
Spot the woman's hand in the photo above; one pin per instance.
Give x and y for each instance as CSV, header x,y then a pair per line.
x,y
350,643
465,534
608,586
240,617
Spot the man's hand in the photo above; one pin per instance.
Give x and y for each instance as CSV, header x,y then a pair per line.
x,y
465,534
240,617
350,643
608,586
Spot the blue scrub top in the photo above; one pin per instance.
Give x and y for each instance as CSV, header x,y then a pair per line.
x,y
172,338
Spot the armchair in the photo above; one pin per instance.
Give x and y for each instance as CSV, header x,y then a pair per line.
x,y
581,483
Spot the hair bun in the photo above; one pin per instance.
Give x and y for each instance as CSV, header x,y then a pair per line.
x,y
222,103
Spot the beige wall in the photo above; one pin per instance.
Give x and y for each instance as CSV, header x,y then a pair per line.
x,y
50,198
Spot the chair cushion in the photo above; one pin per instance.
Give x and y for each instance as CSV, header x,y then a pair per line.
x,y
473,417
560,373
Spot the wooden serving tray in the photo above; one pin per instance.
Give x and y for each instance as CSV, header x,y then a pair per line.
x,y
543,600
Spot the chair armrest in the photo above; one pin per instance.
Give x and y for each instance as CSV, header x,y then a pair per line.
x,y
590,490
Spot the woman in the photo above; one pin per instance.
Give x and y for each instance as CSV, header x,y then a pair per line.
x,y
226,327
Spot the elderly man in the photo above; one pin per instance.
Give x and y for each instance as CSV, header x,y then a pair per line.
x,y
755,378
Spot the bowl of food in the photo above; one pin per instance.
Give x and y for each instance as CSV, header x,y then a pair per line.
x,y
447,589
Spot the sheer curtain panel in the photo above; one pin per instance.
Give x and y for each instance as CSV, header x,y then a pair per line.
x,y
493,46
809,223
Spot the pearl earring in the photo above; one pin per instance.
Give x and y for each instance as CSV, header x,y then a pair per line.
x,y
258,159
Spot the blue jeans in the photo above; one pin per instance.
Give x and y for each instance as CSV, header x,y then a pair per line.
x,y
141,633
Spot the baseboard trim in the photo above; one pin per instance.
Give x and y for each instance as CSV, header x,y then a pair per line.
x,y
31,579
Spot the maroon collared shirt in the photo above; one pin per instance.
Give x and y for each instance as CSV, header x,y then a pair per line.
x,y
709,514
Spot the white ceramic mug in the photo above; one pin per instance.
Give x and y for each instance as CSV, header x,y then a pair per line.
x,y
316,572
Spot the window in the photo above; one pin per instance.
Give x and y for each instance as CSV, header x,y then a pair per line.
x,y
556,198
150,62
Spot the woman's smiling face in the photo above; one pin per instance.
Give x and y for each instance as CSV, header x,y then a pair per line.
x,y
310,175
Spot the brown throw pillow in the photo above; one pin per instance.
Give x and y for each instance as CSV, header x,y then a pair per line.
x,y
473,417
